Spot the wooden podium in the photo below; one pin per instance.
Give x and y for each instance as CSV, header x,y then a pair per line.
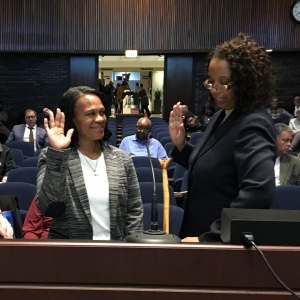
x,y
92,270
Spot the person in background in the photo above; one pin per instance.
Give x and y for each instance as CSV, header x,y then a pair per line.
x,y
233,164
35,226
144,100
287,167
277,113
296,106
87,186
4,131
29,132
294,125
120,94
6,162
136,145
191,123
208,110
6,230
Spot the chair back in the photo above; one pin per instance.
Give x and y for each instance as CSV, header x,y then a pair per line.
x,y
143,161
26,147
165,140
146,189
22,174
24,191
37,152
195,137
144,174
31,162
176,216
169,147
17,156
286,197
162,134
178,177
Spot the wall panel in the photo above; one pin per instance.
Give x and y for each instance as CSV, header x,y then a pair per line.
x,y
147,25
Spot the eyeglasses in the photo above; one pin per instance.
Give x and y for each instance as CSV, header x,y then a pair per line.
x,y
144,129
30,117
217,87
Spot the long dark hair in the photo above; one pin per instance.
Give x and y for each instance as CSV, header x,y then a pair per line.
x,y
67,106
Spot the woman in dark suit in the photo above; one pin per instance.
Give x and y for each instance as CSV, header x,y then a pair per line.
x,y
233,164
88,187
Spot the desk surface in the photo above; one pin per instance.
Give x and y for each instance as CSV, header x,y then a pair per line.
x,y
137,271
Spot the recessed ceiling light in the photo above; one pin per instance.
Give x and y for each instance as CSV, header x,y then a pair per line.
x,y
130,53
269,50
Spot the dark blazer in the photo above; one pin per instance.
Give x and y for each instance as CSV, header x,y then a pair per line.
x,y
61,194
289,170
231,166
17,134
6,161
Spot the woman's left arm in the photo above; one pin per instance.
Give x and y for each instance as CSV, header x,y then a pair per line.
x,y
134,218
254,156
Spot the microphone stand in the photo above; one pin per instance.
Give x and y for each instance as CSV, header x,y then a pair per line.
x,y
153,235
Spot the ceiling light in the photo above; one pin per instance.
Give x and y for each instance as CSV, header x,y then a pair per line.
x,y
130,53
269,50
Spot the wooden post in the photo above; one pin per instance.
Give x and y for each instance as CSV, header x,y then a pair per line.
x,y
166,194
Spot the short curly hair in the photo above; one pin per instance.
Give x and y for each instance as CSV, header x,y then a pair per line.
x,y
251,71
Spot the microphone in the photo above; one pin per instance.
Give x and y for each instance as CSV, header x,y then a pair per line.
x,y
153,235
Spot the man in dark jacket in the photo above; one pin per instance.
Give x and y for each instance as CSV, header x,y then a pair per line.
x,y
144,100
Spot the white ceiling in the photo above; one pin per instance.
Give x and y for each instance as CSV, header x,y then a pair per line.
x,y
137,62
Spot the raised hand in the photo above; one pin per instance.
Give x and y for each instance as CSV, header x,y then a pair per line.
x,y
55,130
176,128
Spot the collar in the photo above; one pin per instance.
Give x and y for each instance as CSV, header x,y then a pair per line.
x,y
30,127
138,140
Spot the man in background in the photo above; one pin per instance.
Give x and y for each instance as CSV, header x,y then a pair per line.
x,y
144,100
287,167
136,145
29,132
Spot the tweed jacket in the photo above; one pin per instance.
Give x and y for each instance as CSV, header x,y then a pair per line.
x,y
17,134
61,194
289,170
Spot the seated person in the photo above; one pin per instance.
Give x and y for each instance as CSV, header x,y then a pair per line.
x,y
29,132
136,145
296,106
277,113
6,162
295,126
35,226
4,131
6,230
287,167
209,110
191,124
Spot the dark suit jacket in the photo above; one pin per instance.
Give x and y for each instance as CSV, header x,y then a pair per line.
x,y
17,134
231,166
289,170
6,161
61,194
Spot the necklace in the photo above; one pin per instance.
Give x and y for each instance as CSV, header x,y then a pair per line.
x,y
95,174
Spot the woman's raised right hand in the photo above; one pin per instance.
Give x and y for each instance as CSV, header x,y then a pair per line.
x,y
176,128
55,130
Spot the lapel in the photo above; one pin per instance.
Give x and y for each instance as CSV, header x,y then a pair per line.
x,y
37,137
285,163
113,176
77,177
214,133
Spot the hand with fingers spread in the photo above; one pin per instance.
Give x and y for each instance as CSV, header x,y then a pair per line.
x,y
176,127
55,131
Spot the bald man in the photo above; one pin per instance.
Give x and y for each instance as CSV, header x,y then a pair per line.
x,y
136,145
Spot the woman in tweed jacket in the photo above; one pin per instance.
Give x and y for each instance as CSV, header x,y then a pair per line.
x,y
88,187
